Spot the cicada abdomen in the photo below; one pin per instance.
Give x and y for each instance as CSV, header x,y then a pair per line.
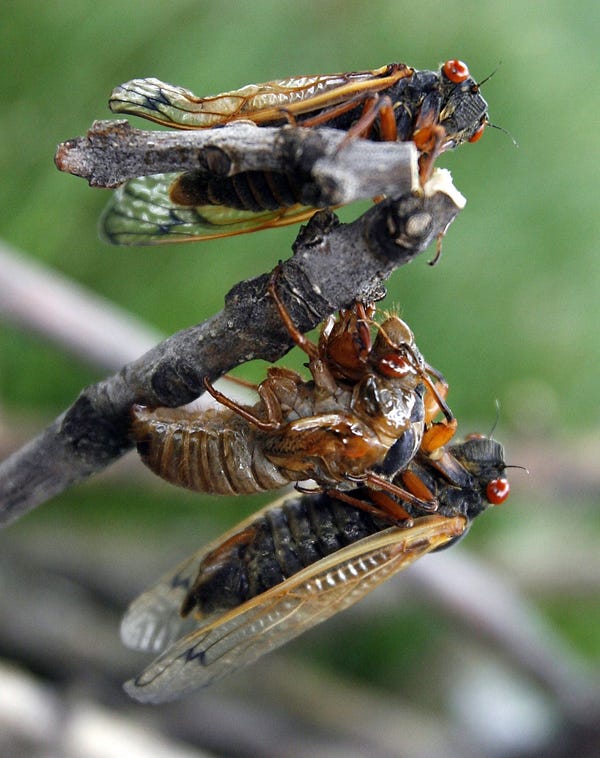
x,y
216,451
281,540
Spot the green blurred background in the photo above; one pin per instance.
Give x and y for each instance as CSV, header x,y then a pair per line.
x,y
511,312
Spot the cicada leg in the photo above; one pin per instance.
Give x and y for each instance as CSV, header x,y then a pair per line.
x,y
376,107
299,339
428,136
376,482
326,115
380,506
439,433
241,382
274,419
318,364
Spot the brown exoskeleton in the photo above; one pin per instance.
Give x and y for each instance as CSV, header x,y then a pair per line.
x,y
360,419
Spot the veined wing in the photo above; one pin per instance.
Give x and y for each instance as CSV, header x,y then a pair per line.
x,y
153,620
140,212
177,107
241,636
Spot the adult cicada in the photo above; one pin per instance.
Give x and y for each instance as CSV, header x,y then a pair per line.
x,y
437,110
360,417
294,564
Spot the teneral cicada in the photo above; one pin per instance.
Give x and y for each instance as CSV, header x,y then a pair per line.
x,y
437,110
360,418
294,564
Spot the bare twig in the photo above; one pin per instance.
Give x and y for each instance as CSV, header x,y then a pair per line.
x,y
333,264
333,174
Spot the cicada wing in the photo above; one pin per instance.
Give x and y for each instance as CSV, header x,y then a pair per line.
x,y
262,624
177,107
153,620
140,212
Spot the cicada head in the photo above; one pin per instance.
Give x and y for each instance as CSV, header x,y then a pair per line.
x,y
484,460
464,112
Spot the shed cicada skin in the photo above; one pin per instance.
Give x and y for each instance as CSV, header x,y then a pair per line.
x,y
294,564
437,110
362,415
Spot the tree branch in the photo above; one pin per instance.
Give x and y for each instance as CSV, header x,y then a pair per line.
x,y
333,264
334,171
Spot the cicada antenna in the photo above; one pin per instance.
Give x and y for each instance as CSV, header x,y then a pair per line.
x,y
515,465
489,76
502,129
489,123
496,420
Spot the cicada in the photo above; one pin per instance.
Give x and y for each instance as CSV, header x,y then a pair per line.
x,y
362,415
437,110
294,564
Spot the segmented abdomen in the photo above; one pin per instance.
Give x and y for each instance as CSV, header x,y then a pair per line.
x,y
254,191
279,543
216,452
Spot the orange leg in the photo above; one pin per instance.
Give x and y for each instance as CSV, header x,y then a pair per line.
x,y
274,421
379,483
336,110
381,507
300,340
437,434
376,107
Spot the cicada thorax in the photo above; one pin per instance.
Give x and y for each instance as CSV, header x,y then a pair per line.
x,y
339,448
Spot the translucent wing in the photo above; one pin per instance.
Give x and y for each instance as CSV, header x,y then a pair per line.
x,y
262,624
262,103
152,621
140,212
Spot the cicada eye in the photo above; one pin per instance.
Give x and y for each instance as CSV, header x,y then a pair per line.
x,y
478,133
456,71
497,491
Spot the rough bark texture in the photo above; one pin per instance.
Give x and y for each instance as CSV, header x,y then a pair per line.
x,y
333,264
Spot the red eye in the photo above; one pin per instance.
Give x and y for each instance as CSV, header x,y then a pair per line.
x,y
477,134
456,71
497,491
